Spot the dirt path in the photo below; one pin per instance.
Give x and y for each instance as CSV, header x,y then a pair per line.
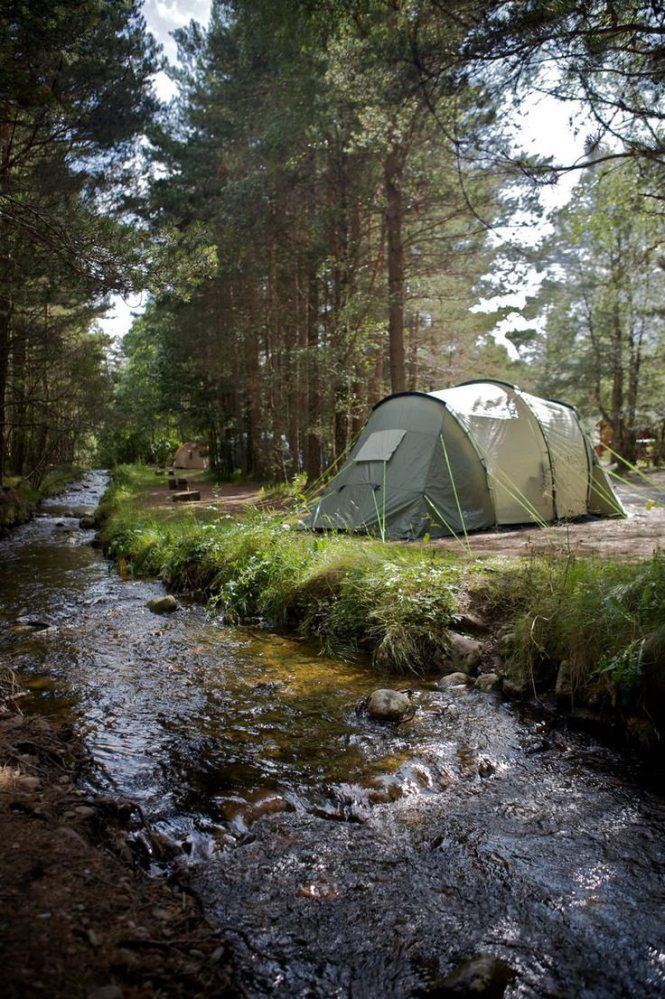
x,y
226,497
638,536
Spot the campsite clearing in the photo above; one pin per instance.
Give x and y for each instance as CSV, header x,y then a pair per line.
x,y
638,536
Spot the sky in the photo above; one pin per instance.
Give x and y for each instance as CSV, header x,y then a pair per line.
x,y
545,128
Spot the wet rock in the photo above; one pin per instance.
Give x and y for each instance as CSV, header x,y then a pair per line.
x,y
455,680
464,652
488,682
514,688
480,976
486,767
390,705
468,621
163,605
32,623
87,522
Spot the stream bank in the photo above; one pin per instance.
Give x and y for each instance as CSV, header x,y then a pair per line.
x,y
19,501
584,634
79,915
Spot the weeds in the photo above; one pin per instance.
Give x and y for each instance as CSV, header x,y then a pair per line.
x,y
599,616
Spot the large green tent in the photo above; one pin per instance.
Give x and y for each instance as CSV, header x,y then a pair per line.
x,y
481,454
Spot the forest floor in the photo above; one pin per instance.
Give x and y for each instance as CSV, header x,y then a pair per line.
x,y
76,908
638,536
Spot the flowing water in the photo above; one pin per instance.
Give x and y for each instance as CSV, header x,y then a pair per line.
x,y
342,857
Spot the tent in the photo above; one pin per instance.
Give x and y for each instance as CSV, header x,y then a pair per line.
x,y
475,456
189,456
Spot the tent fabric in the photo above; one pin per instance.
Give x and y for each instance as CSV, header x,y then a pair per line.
x,y
466,458
189,456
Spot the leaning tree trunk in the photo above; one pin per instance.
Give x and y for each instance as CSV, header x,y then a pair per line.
x,y
392,172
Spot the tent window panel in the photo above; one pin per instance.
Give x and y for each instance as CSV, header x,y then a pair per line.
x,y
380,446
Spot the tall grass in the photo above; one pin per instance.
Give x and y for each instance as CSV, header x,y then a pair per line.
x,y
604,619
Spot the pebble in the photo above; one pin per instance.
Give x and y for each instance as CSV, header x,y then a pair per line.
x,y
106,992
163,605
30,783
389,705
487,682
71,837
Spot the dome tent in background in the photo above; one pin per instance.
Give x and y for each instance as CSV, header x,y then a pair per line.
x,y
480,455
190,456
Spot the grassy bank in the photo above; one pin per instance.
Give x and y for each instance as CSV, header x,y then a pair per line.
x,y
593,629
19,499
347,593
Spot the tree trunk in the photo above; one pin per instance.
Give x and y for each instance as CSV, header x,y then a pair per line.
x,y
312,443
393,171
18,406
618,427
5,326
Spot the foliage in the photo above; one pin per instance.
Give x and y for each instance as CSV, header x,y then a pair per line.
x,y
604,56
272,181
598,616
75,80
603,304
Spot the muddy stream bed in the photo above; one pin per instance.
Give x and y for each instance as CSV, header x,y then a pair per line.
x,y
341,857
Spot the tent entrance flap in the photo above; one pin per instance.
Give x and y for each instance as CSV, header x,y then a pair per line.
x,y
380,446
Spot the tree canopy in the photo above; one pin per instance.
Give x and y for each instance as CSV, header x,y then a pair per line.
x,y
315,216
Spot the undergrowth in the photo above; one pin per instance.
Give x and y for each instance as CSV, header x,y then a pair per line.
x,y
604,619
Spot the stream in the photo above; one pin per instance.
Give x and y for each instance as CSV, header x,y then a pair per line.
x,y
342,857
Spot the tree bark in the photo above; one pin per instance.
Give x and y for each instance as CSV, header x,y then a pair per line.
x,y
393,172
5,324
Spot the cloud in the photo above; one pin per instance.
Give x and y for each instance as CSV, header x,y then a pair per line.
x,y
164,16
